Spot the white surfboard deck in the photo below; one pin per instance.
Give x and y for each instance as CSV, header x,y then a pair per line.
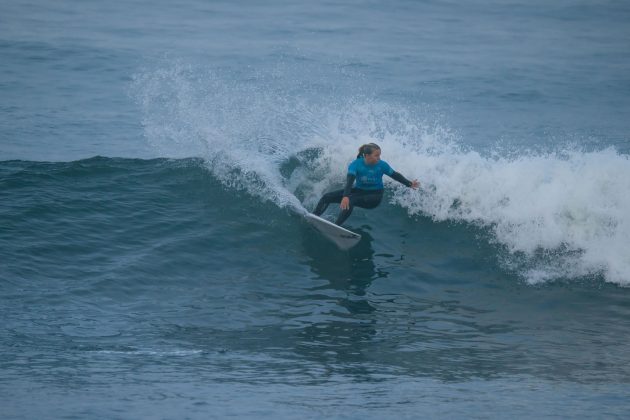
x,y
342,237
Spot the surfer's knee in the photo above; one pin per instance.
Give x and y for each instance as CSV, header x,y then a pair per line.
x,y
332,197
336,194
328,196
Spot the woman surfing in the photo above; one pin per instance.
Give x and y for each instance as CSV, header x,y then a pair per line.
x,y
367,170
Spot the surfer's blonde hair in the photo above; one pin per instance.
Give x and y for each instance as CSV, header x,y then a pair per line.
x,y
367,149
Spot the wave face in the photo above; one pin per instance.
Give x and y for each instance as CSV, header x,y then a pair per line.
x,y
130,264
554,214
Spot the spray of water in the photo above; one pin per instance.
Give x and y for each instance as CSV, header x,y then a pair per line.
x,y
563,214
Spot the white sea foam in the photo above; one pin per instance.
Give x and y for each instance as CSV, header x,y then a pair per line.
x,y
561,214
191,114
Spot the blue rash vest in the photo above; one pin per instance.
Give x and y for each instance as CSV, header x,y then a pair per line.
x,y
369,177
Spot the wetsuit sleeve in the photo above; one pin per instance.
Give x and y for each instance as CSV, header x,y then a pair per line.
x,y
349,181
398,177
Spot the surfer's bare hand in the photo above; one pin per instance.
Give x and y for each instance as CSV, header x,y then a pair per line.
x,y
415,184
345,203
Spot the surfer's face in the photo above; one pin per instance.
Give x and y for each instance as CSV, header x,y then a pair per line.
x,y
373,158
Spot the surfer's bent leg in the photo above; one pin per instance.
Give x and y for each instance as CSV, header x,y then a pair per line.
x,y
344,214
331,197
360,198
335,197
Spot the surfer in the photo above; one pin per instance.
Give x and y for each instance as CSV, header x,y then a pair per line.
x,y
367,170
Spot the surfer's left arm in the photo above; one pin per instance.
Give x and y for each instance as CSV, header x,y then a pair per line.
x,y
400,178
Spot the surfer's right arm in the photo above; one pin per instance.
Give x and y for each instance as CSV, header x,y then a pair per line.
x,y
345,201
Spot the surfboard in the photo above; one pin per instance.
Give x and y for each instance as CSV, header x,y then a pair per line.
x,y
342,237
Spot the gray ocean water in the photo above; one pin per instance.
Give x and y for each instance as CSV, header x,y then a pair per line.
x,y
155,158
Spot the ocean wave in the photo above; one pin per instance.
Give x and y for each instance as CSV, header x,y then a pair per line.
x,y
561,213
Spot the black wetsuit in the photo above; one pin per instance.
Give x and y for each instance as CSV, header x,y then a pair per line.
x,y
367,199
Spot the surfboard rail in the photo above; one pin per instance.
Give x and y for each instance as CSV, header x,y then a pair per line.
x,y
340,236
